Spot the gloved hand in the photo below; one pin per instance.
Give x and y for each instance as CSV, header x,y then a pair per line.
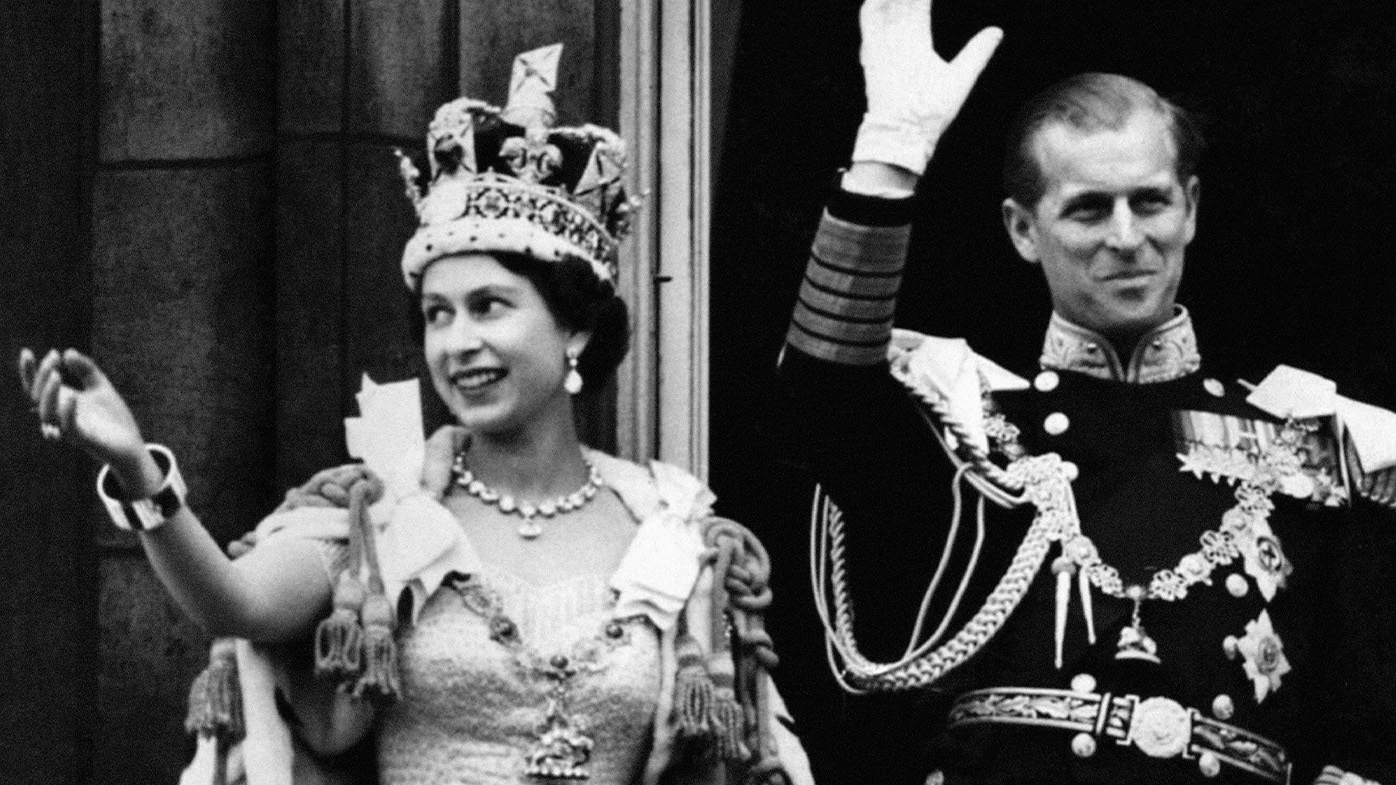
x,y
912,93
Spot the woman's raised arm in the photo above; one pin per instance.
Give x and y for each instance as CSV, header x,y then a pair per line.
x,y
270,594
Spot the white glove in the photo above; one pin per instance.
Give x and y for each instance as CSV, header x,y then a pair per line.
x,y
912,93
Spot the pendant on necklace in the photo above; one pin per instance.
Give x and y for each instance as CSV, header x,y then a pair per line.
x,y
530,529
1135,643
561,750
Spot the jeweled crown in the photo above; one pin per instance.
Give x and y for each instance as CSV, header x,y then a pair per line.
x,y
508,180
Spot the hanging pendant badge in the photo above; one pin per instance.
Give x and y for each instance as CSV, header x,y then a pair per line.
x,y
1244,534
1135,643
561,750
562,746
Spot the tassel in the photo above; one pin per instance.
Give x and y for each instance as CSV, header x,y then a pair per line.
x,y
215,703
1085,585
728,719
1063,568
339,639
379,681
693,691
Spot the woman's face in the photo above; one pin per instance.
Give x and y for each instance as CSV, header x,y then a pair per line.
x,y
497,355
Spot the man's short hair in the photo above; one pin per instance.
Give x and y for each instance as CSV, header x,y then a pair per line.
x,y
1091,102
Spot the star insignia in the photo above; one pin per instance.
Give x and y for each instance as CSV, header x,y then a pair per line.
x,y
1264,558
1263,656
1192,462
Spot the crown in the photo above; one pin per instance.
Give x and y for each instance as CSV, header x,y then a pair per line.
x,y
507,180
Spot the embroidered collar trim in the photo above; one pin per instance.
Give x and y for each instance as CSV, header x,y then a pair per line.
x,y
1163,354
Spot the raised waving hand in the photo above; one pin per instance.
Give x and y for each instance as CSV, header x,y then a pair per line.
x,y
913,93
76,403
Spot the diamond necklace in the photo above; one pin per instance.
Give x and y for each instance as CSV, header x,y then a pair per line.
x,y
507,504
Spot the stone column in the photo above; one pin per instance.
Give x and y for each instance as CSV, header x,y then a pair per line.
x,y
182,276
355,80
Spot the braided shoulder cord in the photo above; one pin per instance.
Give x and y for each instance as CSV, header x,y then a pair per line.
x,y
867,676
996,484
1006,488
1029,479
741,594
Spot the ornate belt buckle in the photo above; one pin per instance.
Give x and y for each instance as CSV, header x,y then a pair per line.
x,y
1160,728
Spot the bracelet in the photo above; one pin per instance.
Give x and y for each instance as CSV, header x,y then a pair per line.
x,y
151,512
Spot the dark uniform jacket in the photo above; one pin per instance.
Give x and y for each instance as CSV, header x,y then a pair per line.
x,y
1279,659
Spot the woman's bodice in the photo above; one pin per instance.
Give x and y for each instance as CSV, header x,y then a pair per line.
x,y
500,678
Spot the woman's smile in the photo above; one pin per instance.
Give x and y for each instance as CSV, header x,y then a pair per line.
x,y
476,379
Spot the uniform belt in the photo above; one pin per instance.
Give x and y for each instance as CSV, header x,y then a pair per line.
x,y
1158,727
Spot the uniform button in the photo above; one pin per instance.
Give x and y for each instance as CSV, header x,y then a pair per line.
x,y
1214,387
1056,424
1223,708
1237,584
1083,682
1083,744
1208,764
1046,381
1231,645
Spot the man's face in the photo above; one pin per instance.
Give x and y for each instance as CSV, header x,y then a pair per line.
x,y
1112,224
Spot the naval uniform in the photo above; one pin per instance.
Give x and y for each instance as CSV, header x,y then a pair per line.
x,y
1272,664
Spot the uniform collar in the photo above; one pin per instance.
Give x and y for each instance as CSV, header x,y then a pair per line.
x,y
1166,352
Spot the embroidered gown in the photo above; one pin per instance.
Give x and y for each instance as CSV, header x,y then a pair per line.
x,y
506,682
474,706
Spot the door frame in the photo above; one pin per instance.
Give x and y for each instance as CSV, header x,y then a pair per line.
x,y
665,100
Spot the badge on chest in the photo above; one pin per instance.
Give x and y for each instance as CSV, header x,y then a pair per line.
x,y
1238,449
